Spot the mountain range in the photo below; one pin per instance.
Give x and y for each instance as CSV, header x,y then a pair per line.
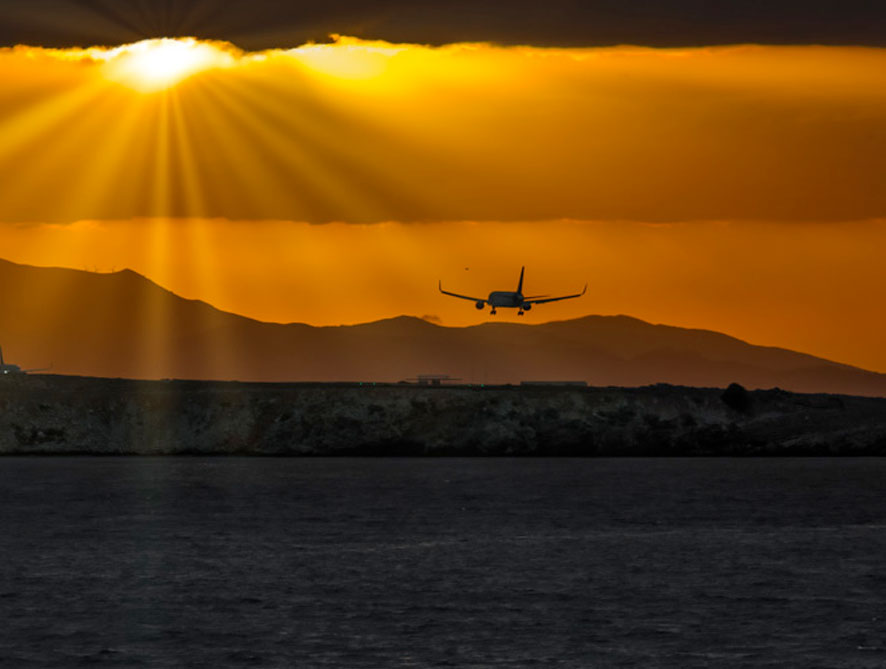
x,y
124,325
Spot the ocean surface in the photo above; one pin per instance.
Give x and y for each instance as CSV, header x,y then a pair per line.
x,y
216,562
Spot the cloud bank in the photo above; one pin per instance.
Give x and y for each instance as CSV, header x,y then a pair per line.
x,y
263,24
366,132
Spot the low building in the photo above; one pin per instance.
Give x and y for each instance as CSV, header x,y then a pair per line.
x,y
432,379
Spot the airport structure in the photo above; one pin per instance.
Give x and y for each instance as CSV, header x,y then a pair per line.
x,y
432,379
8,369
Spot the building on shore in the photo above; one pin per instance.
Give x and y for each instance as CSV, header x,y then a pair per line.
x,y
433,379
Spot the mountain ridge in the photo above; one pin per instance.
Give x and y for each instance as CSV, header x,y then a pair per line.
x,y
122,324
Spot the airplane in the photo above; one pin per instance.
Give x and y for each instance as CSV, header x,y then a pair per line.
x,y
15,369
511,299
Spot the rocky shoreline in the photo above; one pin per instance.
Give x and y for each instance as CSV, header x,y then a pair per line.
x,y
43,415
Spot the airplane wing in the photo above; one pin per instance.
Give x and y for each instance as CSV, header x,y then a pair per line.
x,y
554,299
464,297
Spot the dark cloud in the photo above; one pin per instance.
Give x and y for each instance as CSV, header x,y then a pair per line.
x,y
260,24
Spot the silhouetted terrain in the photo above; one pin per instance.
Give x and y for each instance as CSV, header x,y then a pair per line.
x,y
123,325
75,415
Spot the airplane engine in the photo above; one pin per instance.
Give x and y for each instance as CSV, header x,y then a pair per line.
x,y
527,307
480,304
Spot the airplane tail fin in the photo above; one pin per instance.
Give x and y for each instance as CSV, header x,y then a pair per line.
x,y
520,284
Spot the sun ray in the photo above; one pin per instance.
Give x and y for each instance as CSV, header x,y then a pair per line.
x,y
274,154
41,163
286,162
222,159
109,124
31,124
202,266
334,149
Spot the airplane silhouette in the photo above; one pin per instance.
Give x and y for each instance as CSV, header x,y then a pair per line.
x,y
511,299
6,369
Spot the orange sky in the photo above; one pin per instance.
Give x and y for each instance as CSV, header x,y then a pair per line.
x,y
732,188
368,132
813,287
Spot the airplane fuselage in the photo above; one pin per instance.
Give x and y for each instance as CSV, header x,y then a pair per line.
x,y
505,298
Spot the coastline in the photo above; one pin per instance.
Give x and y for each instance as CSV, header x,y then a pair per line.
x,y
65,415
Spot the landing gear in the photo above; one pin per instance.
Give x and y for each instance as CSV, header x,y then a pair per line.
x,y
520,313
493,312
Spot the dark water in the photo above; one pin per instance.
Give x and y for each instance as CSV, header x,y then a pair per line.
x,y
442,562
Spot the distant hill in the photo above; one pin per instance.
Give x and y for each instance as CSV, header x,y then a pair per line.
x,y
123,325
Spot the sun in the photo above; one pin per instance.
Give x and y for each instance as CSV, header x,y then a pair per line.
x,y
158,64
